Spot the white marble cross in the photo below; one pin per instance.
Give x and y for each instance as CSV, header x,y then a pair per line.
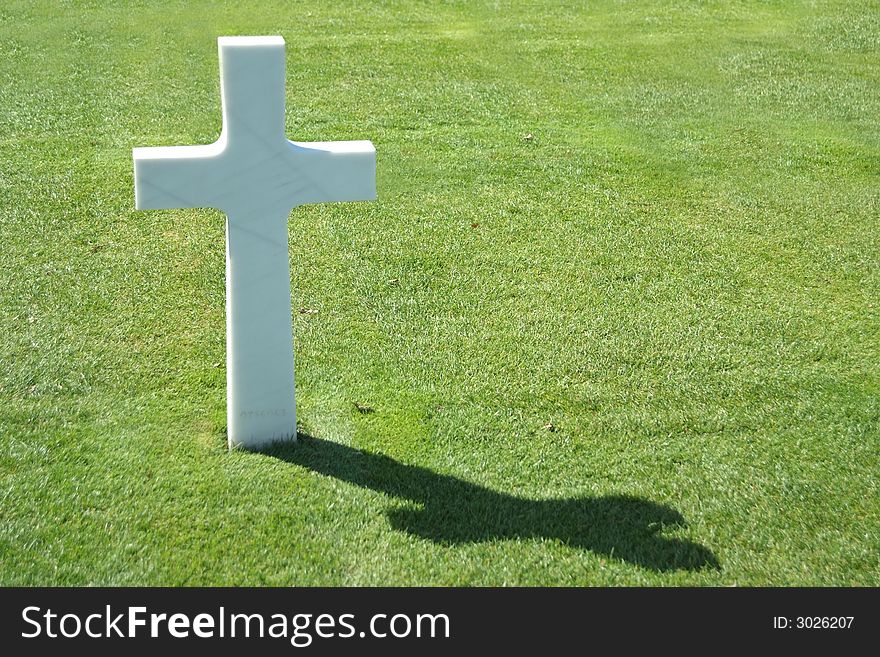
x,y
255,176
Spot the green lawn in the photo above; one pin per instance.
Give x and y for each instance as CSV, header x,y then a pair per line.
x,y
641,346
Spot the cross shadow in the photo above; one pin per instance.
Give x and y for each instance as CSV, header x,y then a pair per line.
x,y
455,511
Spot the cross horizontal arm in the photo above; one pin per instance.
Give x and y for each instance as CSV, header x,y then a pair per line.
x,y
167,177
334,170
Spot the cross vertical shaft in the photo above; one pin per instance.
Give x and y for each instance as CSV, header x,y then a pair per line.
x,y
252,88
261,406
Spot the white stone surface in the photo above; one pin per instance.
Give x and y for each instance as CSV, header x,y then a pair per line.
x,y
255,176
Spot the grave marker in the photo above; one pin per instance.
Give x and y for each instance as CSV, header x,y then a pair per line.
x,y
255,176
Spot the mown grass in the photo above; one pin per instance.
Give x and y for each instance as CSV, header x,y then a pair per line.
x,y
615,310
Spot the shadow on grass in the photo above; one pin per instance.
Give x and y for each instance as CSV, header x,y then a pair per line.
x,y
456,511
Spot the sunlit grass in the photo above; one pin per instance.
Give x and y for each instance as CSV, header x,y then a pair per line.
x,y
615,312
